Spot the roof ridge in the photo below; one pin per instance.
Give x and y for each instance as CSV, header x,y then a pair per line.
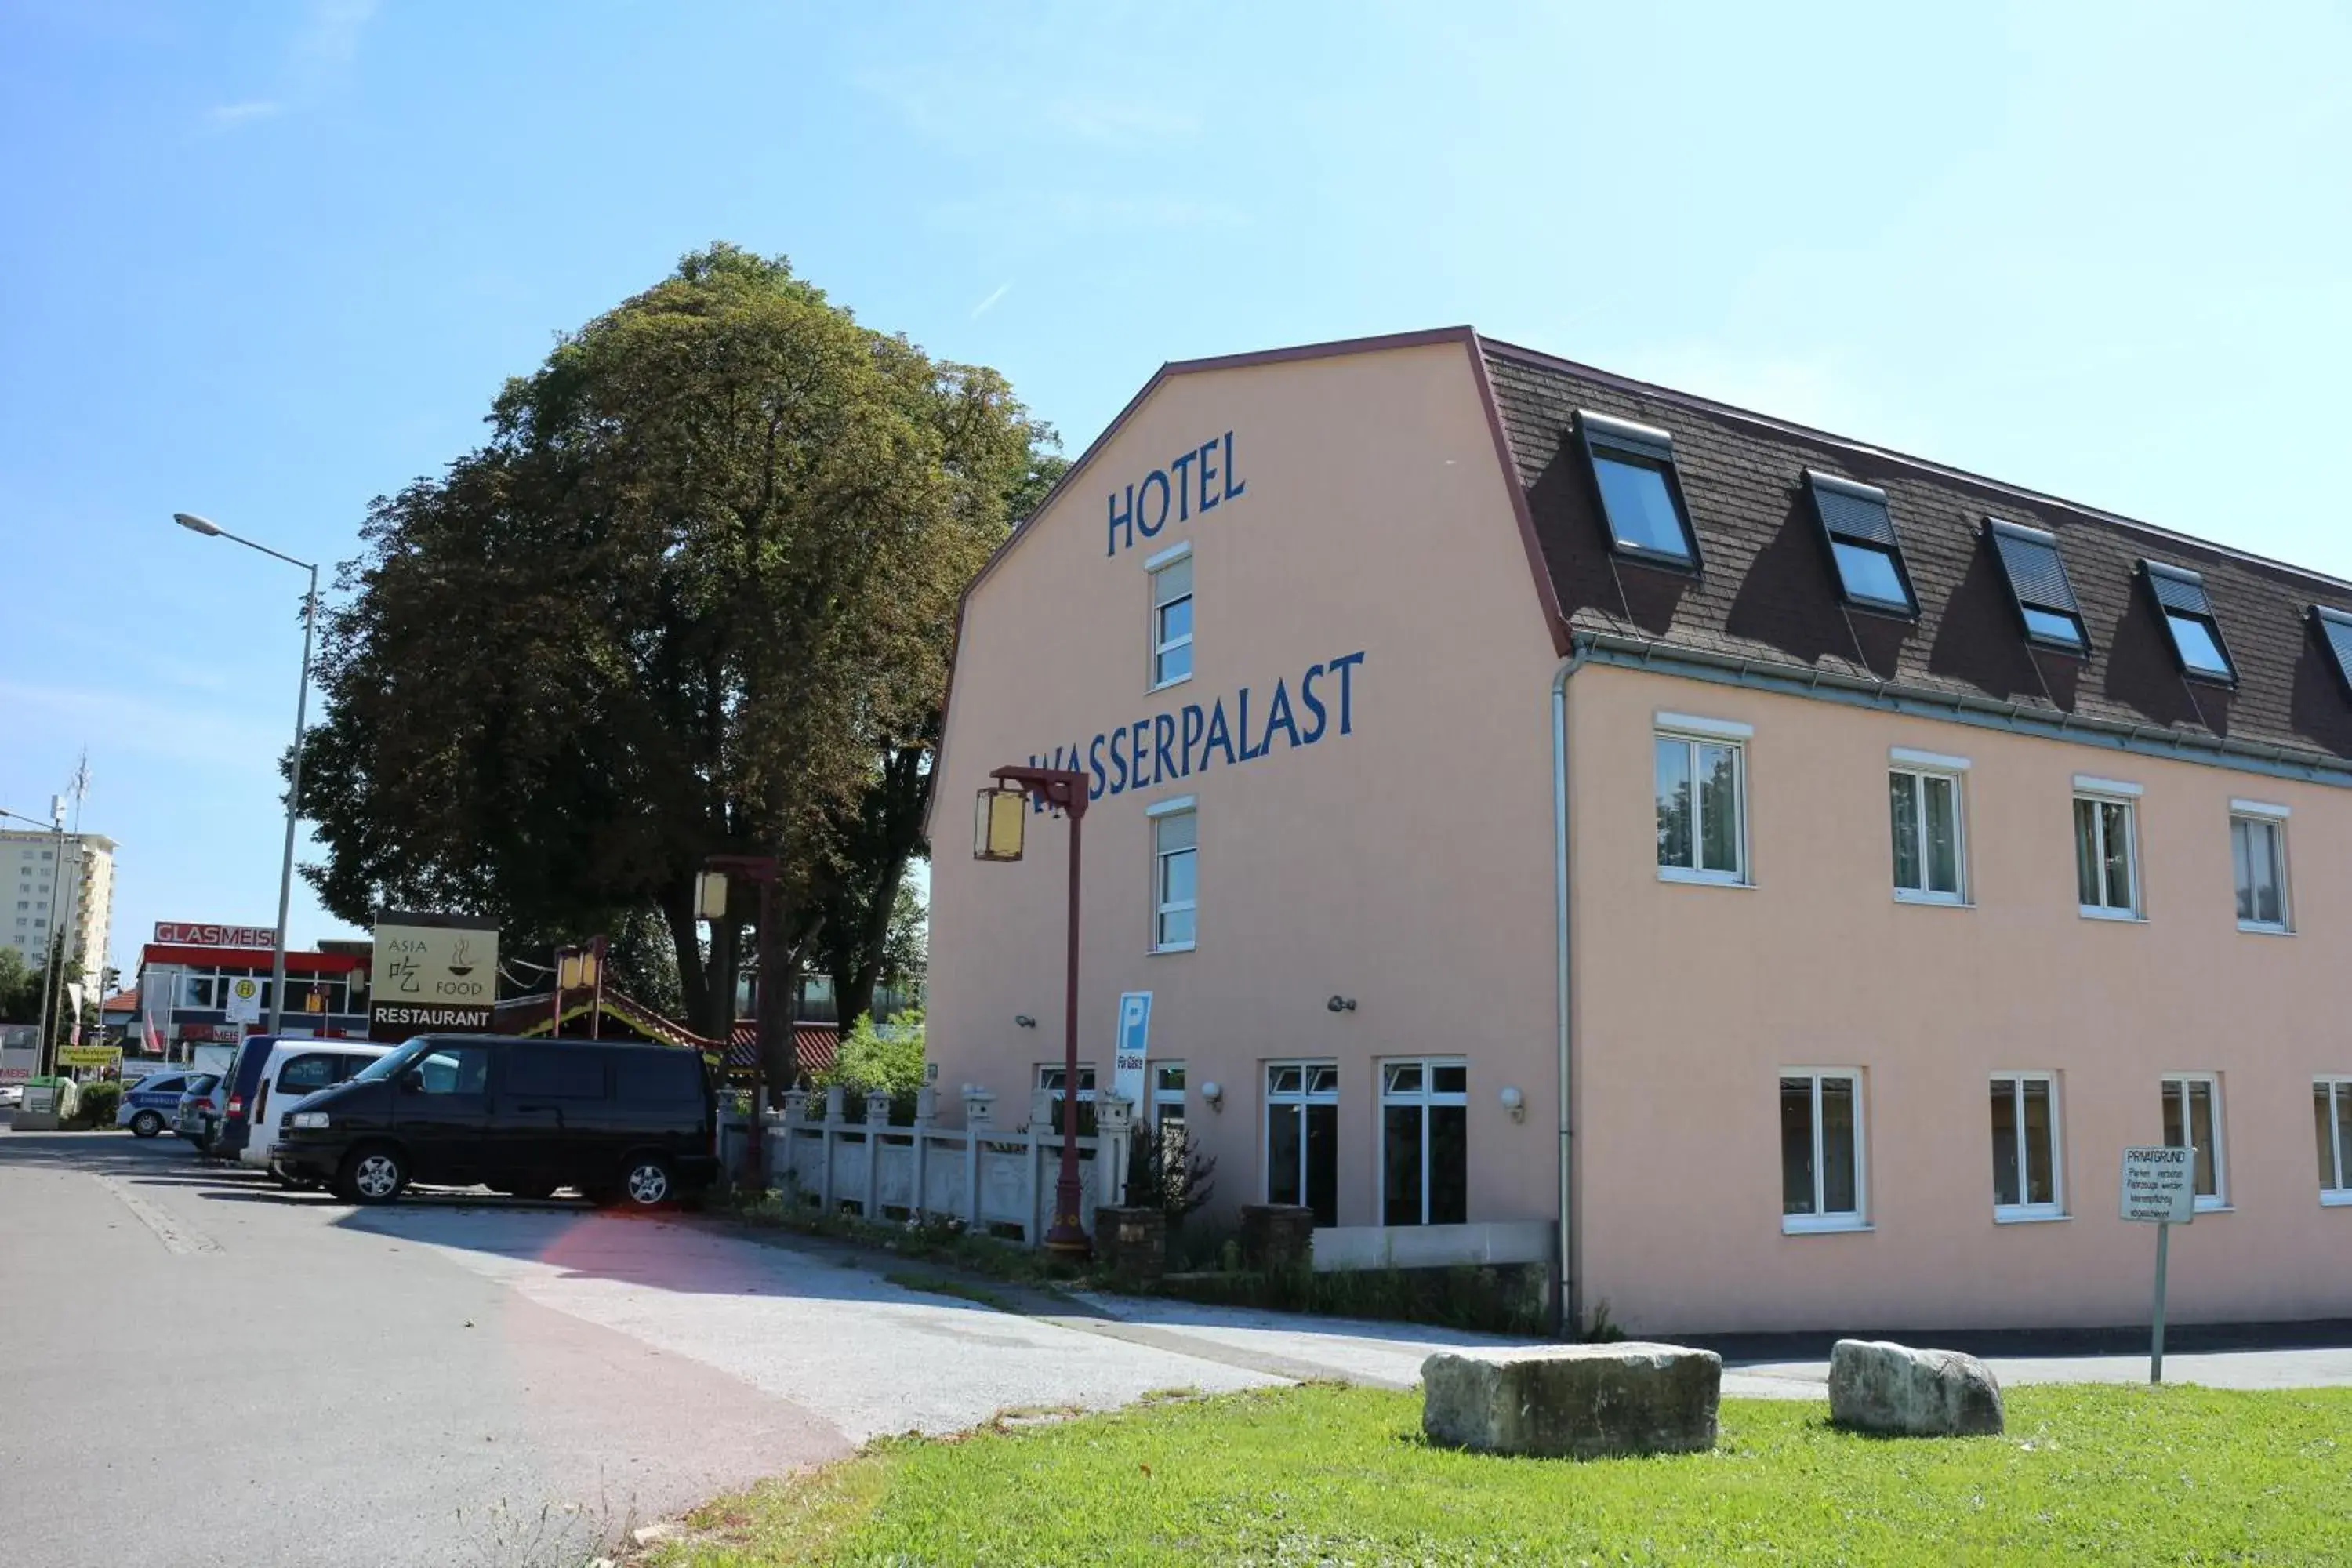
x,y
1928,466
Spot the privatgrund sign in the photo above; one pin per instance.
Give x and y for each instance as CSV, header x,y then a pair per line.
x,y
1164,746
431,973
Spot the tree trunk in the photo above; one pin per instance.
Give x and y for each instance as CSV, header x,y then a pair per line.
x,y
852,985
693,976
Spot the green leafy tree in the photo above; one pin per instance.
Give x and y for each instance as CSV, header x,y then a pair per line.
x,y
20,988
690,597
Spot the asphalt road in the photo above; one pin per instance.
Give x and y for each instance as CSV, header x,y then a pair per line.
x,y
460,1379
452,1380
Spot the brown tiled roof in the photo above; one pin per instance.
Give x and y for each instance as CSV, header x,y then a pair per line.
x,y
1768,593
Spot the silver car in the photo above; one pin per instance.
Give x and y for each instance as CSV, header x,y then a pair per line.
x,y
199,1116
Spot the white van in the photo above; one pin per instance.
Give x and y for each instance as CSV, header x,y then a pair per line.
x,y
295,1070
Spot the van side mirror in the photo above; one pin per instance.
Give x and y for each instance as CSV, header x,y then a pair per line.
x,y
412,1080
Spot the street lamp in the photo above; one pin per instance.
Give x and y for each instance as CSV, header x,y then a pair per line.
x,y
711,895
997,836
212,530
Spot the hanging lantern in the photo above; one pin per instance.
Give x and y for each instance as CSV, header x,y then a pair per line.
x,y
1001,818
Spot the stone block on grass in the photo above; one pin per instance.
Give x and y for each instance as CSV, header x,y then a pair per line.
x,y
1576,1402
1878,1386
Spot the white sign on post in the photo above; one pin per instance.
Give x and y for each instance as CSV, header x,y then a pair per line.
x,y
2159,1185
243,1001
1133,1048
2159,1188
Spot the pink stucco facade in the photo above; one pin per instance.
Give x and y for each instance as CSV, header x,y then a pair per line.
x,y
1405,859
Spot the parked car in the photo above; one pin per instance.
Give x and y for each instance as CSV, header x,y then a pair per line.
x,y
623,1123
149,1104
243,1077
12,1095
291,1073
198,1116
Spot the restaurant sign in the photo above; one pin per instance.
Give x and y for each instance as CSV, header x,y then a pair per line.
x,y
432,973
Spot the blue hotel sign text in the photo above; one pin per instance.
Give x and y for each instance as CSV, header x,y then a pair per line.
x,y
1165,747
1201,479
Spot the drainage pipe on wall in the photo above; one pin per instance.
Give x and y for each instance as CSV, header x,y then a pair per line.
x,y
1568,1319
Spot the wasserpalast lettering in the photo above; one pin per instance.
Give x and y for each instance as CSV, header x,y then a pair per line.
x,y
1152,750
1201,479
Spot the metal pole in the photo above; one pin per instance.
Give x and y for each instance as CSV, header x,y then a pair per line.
x,y
293,812
763,1012
2155,1347
1068,1236
53,947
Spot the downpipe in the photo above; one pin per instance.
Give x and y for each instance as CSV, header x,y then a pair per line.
x,y
1568,1317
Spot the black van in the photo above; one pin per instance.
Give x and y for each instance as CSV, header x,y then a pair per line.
x,y
625,1125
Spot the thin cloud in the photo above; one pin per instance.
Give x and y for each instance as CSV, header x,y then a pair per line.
x,y
238,113
319,63
985,306
942,102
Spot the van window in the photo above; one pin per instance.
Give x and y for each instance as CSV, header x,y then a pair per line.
x,y
309,1072
454,1069
657,1077
557,1072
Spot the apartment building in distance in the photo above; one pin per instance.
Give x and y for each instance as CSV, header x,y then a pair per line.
x,y
1778,874
59,883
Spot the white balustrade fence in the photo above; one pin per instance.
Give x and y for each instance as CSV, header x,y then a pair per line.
x,y
990,1179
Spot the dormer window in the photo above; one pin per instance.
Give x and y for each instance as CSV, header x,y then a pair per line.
x,y
1641,494
2188,612
2038,582
1860,533
2335,629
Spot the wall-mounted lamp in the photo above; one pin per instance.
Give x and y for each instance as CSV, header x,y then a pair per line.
x,y
1514,1101
1024,1021
1213,1094
1342,1004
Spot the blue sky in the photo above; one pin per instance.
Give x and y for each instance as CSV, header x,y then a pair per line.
x,y
269,260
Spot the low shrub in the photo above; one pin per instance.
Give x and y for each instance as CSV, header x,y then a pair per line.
x,y
96,1104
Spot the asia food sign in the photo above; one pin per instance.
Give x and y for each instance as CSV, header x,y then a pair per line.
x,y
432,973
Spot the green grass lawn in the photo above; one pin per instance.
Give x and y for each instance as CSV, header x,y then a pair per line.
x,y
2127,1475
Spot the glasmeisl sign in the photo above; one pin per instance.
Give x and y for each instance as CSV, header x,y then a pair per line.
x,y
432,973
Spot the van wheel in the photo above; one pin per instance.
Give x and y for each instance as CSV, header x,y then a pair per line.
x,y
372,1175
646,1182
147,1124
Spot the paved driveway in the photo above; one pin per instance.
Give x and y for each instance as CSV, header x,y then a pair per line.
x,y
466,1379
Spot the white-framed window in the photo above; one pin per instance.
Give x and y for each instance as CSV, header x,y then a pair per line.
x,y
2192,1119
1425,1141
2029,1169
1052,1077
1167,1107
1175,871
1170,572
2107,850
2258,865
1821,1150
1702,790
2331,1119
1923,806
1302,1136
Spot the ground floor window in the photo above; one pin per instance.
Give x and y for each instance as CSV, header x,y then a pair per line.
x,y
2025,1164
1302,1137
1821,1149
1167,1108
1053,1080
2331,1116
1424,1142
2192,1119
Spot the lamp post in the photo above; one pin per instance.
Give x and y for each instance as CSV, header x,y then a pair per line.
x,y
211,530
998,836
711,897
